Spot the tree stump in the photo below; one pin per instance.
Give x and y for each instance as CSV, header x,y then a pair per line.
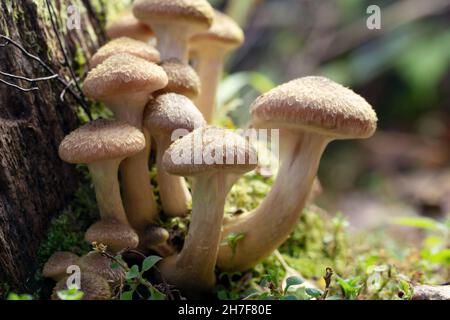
x,y
34,183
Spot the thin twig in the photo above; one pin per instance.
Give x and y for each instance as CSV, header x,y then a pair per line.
x,y
79,98
54,76
63,92
328,275
18,87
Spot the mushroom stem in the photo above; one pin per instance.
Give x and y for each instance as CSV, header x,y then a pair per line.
x,y
192,270
209,66
174,193
138,197
172,41
107,190
269,225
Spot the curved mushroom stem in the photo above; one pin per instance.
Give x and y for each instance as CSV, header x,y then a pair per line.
x,y
172,40
138,198
192,270
209,66
105,179
269,225
174,193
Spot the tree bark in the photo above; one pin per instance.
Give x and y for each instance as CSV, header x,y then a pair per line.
x,y
34,183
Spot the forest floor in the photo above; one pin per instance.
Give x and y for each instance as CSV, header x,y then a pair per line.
x,y
324,252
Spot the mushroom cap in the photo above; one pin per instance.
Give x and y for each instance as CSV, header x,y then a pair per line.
x,y
93,286
116,236
95,262
182,79
125,45
171,111
101,140
154,235
56,266
235,154
316,104
126,25
123,74
224,31
198,12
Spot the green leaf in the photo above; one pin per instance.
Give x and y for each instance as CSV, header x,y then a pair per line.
x,y
70,294
289,297
313,292
350,287
156,294
441,257
293,281
421,223
231,86
15,296
149,262
222,295
133,273
127,295
115,263
261,82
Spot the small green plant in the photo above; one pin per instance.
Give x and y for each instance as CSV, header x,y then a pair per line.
x,y
15,296
70,294
232,241
135,278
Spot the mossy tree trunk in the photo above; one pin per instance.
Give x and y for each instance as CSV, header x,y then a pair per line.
x,y
34,183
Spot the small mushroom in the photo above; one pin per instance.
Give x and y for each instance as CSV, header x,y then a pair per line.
x,y
56,266
226,156
102,145
96,263
125,45
126,25
124,83
310,112
156,238
93,286
209,50
164,115
116,236
174,23
182,79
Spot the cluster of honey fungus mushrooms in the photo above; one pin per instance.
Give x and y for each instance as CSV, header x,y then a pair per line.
x,y
153,94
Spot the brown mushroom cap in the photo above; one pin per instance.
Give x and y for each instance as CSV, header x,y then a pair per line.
x,y
125,45
95,262
197,12
224,30
56,266
154,235
171,111
316,104
101,140
126,25
123,73
116,236
182,79
93,286
234,149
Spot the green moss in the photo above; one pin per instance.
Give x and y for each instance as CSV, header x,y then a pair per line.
x,y
66,232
